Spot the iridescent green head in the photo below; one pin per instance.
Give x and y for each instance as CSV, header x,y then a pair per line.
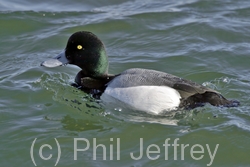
x,y
85,50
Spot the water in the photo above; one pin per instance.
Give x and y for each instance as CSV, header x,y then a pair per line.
x,y
201,40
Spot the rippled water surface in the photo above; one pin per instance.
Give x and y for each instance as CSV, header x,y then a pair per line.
x,y
202,40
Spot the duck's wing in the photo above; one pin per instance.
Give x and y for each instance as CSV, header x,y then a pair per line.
x,y
145,77
188,88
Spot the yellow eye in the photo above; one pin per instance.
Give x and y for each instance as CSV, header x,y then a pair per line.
x,y
79,47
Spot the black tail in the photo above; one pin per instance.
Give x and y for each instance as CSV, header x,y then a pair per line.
x,y
213,98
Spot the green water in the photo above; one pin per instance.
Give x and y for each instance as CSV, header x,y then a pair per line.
x,y
202,40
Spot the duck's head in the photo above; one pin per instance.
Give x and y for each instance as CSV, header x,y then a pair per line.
x,y
85,50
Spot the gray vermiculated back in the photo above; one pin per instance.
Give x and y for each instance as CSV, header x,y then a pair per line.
x,y
145,77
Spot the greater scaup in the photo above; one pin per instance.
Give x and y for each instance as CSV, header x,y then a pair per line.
x,y
142,89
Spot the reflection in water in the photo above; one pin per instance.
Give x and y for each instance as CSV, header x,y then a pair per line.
x,y
73,124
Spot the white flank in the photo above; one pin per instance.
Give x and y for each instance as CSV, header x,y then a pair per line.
x,y
153,99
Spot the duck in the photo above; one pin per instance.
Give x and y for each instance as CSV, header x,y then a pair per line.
x,y
141,89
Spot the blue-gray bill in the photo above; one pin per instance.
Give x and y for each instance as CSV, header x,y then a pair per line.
x,y
59,60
